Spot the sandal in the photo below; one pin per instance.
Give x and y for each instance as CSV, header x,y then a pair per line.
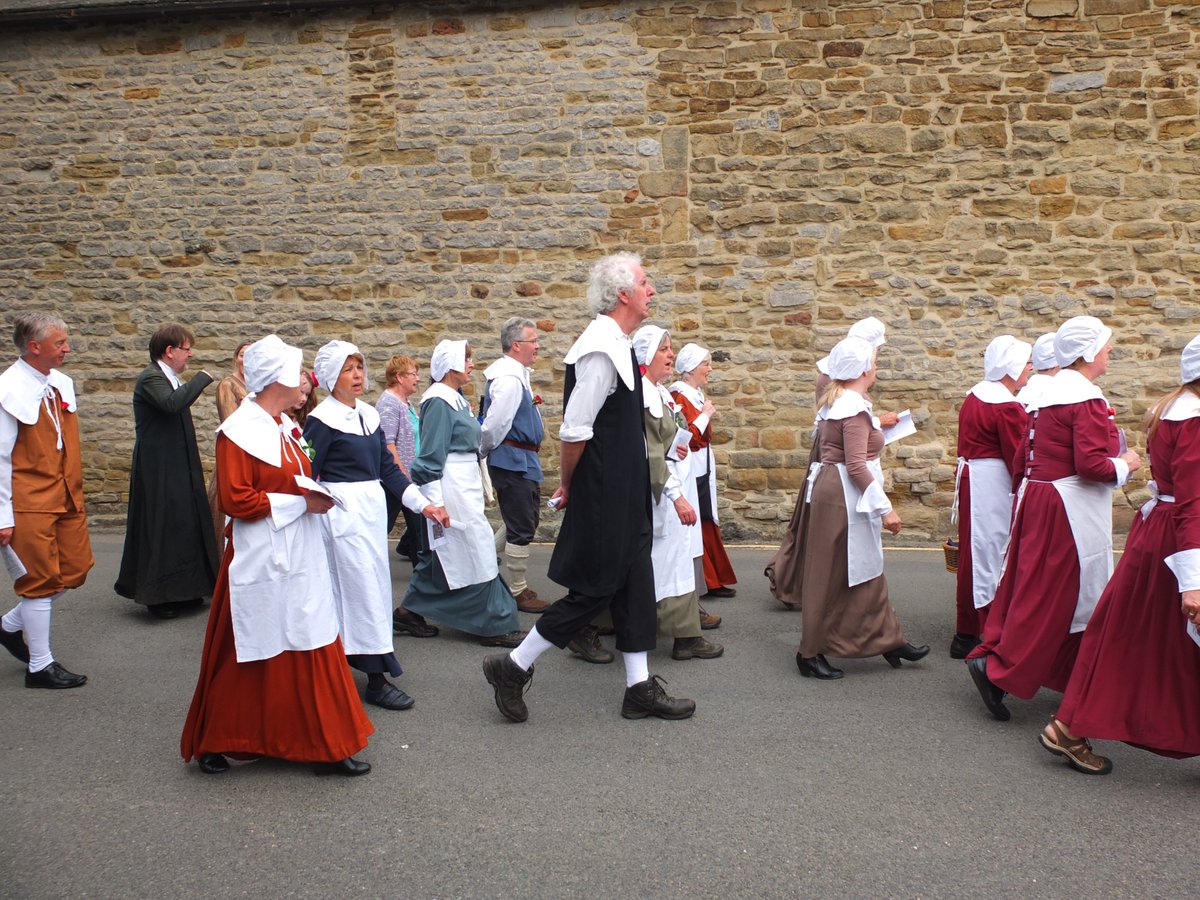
x,y
1077,751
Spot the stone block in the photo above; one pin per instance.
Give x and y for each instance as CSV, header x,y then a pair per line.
x,y
1056,184
664,184
1086,81
993,135
1114,7
1050,9
878,138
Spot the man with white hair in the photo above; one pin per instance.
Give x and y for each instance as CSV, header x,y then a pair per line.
x,y
991,426
603,551
42,518
511,439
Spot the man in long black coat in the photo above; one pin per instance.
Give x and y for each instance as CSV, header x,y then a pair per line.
x,y
170,558
602,555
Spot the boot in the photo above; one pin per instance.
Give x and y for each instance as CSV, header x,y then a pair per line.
x,y
510,682
587,646
695,648
648,698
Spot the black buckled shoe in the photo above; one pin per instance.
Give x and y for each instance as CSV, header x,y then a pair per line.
x,y
993,697
587,647
962,645
14,643
649,698
817,667
213,763
389,697
905,651
510,682
348,766
54,677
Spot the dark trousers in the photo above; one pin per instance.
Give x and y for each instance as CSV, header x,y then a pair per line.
x,y
634,615
520,502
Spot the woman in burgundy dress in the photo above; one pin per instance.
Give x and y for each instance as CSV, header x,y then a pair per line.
x,y
1137,677
1060,555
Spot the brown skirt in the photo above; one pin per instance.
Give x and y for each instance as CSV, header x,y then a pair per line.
x,y
785,571
840,620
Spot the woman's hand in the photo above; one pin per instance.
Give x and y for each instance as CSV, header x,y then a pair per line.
x,y
888,419
892,522
437,514
1191,606
317,503
1132,460
708,410
687,515
682,452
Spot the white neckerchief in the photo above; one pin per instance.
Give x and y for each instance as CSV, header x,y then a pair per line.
x,y
694,395
171,376
506,365
361,418
1185,406
446,393
604,335
849,404
1066,387
254,430
992,392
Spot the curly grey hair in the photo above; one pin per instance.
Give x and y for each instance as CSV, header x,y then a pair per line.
x,y
511,331
33,326
609,275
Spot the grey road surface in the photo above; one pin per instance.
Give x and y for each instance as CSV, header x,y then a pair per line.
x,y
886,783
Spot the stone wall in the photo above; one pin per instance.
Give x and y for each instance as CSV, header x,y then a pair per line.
x,y
396,175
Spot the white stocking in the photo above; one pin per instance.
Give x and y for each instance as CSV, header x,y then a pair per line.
x,y
35,615
637,668
530,649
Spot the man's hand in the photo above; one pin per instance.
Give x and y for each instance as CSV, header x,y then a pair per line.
x,y
559,499
5,536
437,514
685,511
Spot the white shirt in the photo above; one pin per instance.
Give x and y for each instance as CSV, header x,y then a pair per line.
x,y
596,377
507,378
171,376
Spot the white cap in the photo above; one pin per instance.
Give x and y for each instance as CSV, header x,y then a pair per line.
x,y
1005,355
689,357
447,356
270,360
646,341
327,367
1043,353
870,330
1189,362
850,358
1082,337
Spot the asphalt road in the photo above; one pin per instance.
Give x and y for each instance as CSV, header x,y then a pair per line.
x,y
886,783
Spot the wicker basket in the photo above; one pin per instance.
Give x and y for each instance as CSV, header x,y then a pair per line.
x,y
950,549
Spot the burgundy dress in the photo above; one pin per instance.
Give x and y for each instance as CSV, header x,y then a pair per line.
x,y
1137,677
985,431
1027,638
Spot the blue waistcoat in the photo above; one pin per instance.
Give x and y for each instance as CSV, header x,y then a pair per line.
x,y
527,428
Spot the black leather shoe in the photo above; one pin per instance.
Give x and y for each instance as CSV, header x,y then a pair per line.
x,y
993,697
213,763
962,645
405,622
510,682
389,697
14,643
649,698
163,610
347,766
55,677
587,647
720,592
905,651
511,640
817,667
695,648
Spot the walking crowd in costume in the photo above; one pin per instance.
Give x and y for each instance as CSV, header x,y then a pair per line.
x,y
289,540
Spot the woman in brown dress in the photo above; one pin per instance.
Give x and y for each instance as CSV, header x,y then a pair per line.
x,y
846,609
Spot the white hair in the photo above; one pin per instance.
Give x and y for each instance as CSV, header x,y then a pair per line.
x,y
609,275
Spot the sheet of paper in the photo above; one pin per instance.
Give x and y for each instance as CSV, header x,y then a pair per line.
x,y
12,562
902,429
1193,633
683,437
437,534
1122,441
307,484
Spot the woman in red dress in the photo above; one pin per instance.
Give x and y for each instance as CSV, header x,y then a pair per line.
x,y
1137,677
1060,555
273,675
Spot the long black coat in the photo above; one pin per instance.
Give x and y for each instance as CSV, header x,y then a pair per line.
x,y
170,549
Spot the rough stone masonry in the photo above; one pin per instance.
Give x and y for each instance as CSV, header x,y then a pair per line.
x,y
400,173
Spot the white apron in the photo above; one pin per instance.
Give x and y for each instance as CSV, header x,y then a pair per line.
x,y
864,530
671,549
358,562
468,554
991,522
1089,510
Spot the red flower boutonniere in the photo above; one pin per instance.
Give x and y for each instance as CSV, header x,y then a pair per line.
x,y
1112,413
537,399
66,407
296,432
308,448
642,370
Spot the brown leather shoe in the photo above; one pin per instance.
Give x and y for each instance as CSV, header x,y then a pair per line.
x,y
695,648
586,645
511,639
510,683
708,621
649,699
528,601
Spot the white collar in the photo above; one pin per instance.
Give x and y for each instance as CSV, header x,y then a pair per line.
x,y
654,397
448,394
254,430
1186,406
604,335
1067,386
506,365
1033,389
694,395
22,388
360,418
850,404
170,373
992,392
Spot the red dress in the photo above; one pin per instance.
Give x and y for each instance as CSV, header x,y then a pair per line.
x,y
985,431
718,570
1137,678
1027,638
299,705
